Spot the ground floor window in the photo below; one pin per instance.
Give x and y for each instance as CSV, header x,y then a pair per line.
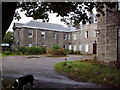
x,y
75,48
64,46
86,48
70,47
79,47
29,45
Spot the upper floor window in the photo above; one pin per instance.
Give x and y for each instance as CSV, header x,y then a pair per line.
x,y
95,33
75,37
54,35
86,34
65,36
30,33
69,36
43,34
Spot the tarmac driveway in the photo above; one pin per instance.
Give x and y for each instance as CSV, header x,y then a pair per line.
x,y
42,69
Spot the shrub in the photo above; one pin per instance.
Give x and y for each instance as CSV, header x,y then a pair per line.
x,y
22,50
7,52
55,50
55,47
32,50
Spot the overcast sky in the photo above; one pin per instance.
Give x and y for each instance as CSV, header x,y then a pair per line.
x,y
24,19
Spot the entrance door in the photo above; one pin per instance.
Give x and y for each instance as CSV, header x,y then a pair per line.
x,y
95,48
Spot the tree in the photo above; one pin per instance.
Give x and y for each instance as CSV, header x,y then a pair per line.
x,y
8,38
75,11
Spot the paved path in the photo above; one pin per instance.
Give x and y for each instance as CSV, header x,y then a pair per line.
x,y
43,70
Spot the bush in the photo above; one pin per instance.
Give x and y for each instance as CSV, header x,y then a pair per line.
x,y
6,52
55,47
56,51
32,50
59,52
22,50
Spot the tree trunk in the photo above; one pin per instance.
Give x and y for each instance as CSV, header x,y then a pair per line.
x,y
8,10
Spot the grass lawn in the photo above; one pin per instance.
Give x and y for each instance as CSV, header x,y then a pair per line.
x,y
90,72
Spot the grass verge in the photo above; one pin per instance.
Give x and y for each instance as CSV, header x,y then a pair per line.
x,y
90,72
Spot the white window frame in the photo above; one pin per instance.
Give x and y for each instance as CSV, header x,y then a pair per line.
x,y
75,37
86,48
69,36
95,34
30,31
79,47
43,34
118,32
65,36
29,45
86,34
42,45
118,5
75,48
70,47
54,35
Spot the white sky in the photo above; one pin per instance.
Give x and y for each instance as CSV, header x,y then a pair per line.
x,y
52,19
24,19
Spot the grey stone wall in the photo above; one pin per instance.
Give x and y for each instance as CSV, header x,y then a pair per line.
x,y
22,40
107,38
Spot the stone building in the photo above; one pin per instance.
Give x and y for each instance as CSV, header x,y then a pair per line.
x,y
39,34
108,41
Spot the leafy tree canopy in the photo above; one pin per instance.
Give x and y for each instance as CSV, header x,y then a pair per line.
x,y
8,38
73,11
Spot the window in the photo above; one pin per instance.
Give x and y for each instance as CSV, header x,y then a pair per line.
x,y
75,37
79,47
86,34
95,33
65,36
69,36
70,47
86,48
43,34
54,36
64,46
118,5
30,33
29,45
79,35
42,45
75,48
118,32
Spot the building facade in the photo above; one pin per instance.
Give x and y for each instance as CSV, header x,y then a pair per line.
x,y
108,42
39,34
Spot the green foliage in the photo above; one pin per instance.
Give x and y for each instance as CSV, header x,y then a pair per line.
x,y
56,51
55,47
85,70
31,50
6,52
8,38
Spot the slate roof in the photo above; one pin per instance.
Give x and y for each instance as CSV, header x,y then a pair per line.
x,y
46,26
